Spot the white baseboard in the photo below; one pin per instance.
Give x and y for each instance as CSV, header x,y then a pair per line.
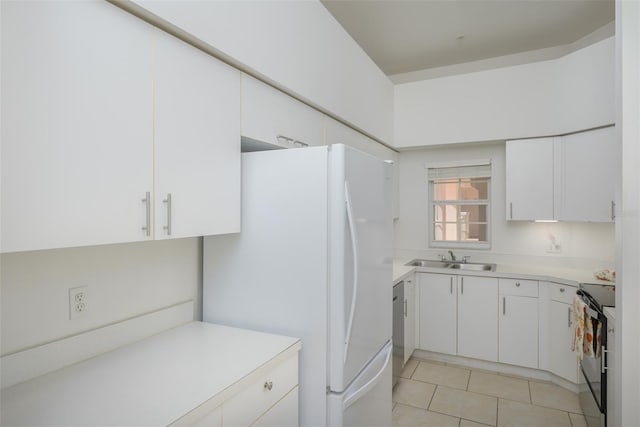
x,y
25,365
501,368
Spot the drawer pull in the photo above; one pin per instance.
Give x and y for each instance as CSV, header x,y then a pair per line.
x,y
268,385
517,284
562,290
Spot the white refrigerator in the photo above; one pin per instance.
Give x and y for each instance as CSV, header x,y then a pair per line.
x,y
314,260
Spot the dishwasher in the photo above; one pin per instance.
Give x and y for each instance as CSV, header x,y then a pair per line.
x,y
398,331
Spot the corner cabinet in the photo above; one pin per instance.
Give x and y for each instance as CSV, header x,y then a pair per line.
x,y
92,122
573,177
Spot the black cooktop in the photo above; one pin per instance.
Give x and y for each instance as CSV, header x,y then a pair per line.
x,y
600,295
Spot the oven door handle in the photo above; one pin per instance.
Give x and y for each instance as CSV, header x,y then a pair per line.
x,y
603,360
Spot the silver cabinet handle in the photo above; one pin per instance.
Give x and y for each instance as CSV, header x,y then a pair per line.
x,y
562,290
613,210
268,385
147,202
451,285
462,285
569,316
405,308
167,202
603,360
510,210
504,306
517,284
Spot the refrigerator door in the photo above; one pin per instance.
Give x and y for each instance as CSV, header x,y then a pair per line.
x,y
367,401
360,288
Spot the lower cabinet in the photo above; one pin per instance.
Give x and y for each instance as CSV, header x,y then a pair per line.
x,y
478,317
438,312
562,361
284,413
458,315
518,325
410,311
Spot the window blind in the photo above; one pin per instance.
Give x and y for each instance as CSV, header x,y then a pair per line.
x,y
457,172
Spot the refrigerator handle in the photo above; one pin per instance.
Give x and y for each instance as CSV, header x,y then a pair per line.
x,y
354,246
353,398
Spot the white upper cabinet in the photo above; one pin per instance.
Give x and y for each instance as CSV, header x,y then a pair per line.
x,y
197,142
77,124
568,178
274,117
337,133
99,127
589,173
529,179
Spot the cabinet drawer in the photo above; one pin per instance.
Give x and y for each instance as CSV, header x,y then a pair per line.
x,y
518,287
562,293
247,406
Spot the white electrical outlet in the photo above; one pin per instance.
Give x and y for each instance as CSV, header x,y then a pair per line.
x,y
77,302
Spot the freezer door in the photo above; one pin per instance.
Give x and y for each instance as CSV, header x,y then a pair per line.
x,y
367,401
360,289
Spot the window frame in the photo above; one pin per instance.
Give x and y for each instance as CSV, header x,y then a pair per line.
x,y
431,221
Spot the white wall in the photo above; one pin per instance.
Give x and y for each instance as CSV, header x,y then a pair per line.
x,y
297,45
567,94
123,281
628,221
583,245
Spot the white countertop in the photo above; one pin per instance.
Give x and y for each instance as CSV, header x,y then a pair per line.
x,y
151,382
568,276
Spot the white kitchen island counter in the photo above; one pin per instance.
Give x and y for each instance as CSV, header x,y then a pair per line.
x,y
152,382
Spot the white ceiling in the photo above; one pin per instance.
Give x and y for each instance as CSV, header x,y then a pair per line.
x,y
402,36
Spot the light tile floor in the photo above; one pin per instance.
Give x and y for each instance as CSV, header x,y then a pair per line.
x,y
434,394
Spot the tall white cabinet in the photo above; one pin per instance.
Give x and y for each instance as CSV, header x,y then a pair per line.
x,y
77,124
197,144
104,117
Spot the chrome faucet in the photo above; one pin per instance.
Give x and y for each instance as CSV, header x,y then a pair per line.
x,y
453,257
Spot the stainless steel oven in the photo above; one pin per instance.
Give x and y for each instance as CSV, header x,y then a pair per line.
x,y
593,399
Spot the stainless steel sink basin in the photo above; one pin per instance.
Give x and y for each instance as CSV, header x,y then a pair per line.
x,y
455,265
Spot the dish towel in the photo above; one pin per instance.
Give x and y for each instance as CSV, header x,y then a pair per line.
x,y
586,333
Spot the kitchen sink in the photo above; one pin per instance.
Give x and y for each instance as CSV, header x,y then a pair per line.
x,y
455,265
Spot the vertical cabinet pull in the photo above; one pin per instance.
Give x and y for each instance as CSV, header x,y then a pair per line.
x,y
147,202
504,306
613,210
451,285
510,210
462,285
167,202
405,308
569,316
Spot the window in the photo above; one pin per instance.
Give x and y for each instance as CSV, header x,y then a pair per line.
x,y
459,207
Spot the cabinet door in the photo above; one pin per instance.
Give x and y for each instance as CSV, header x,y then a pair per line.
x,y
197,142
274,117
77,115
438,321
518,338
529,179
589,172
478,317
409,317
562,361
